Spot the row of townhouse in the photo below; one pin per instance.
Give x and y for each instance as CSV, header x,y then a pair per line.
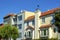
x,y
34,25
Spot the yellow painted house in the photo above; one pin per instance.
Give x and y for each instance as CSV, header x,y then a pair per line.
x,y
35,25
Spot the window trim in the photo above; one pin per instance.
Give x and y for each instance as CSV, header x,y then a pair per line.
x,y
20,26
20,17
43,19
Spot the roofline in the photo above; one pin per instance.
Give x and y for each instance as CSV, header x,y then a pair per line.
x,y
9,15
49,12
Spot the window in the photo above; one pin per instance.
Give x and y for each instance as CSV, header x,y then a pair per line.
x,y
14,19
20,26
52,21
29,34
27,23
33,22
20,35
44,32
43,20
6,21
20,17
54,30
25,34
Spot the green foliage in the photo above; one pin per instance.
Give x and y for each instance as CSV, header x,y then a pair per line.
x,y
57,19
8,31
35,39
47,39
14,32
53,39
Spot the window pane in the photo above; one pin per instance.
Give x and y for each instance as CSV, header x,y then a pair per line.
x,y
33,22
20,17
27,23
43,20
54,30
29,34
20,26
20,35
14,19
44,32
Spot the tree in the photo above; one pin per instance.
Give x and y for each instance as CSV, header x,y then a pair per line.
x,y
57,19
14,33
8,31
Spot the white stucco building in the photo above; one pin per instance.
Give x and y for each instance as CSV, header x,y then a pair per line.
x,y
34,25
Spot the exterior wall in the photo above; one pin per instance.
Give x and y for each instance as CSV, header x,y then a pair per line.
x,y
30,24
27,14
25,24
37,24
48,19
24,14
50,32
20,22
12,21
55,34
33,36
8,20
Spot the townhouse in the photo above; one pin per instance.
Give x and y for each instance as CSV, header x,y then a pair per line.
x,y
34,25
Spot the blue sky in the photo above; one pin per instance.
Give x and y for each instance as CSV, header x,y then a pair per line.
x,y
15,6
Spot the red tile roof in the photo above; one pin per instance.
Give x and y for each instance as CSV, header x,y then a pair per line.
x,y
29,27
46,26
9,15
49,12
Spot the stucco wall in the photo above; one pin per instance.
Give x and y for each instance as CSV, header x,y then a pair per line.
x,y
48,19
37,24
50,32
27,14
